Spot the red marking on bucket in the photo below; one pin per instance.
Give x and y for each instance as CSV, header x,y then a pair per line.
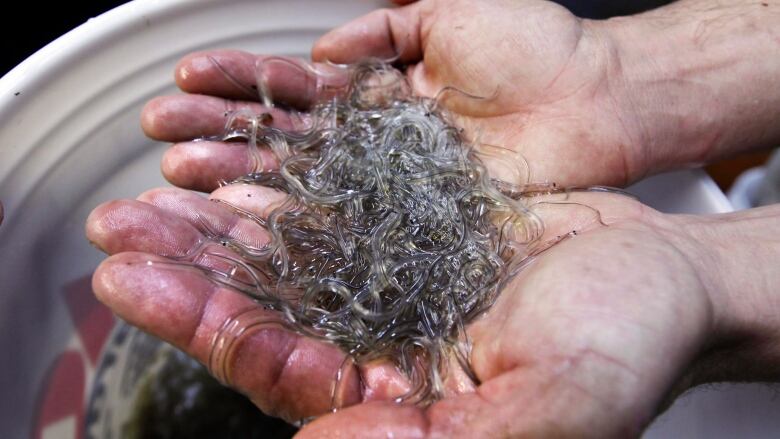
x,y
63,398
92,319
61,402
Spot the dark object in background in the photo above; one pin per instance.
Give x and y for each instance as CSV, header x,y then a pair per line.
x,y
183,401
725,172
147,389
610,8
769,192
39,24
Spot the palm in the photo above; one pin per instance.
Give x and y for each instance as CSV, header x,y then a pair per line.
x,y
585,331
544,75
593,333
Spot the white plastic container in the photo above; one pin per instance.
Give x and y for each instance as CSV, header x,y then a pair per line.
x,y
70,139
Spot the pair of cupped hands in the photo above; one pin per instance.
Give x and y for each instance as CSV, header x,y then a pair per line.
x,y
593,339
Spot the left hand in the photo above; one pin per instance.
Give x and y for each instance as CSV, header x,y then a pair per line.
x,y
550,89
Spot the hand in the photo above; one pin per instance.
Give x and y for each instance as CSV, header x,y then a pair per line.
x,y
586,341
589,102
548,80
585,102
545,75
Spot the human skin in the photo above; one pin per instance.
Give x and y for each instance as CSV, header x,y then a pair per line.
x,y
591,340
585,102
596,336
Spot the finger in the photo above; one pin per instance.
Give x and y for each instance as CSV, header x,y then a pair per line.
x,y
218,218
375,420
203,165
123,225
462,416
235,74
381,380
210,218
133,225
226,73
283,373
403,2
544,401
180,118
385,34
175,227
169,226
257,200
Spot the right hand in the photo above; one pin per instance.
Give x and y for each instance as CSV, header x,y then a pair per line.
x,y
585,342
588,341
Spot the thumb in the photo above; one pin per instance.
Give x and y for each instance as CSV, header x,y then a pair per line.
x,y
384,33
466,415
367,421
534,402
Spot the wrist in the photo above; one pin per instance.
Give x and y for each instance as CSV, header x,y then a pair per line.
x,y
736,257
699,82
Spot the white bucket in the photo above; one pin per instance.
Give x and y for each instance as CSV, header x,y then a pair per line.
x,y
70,139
